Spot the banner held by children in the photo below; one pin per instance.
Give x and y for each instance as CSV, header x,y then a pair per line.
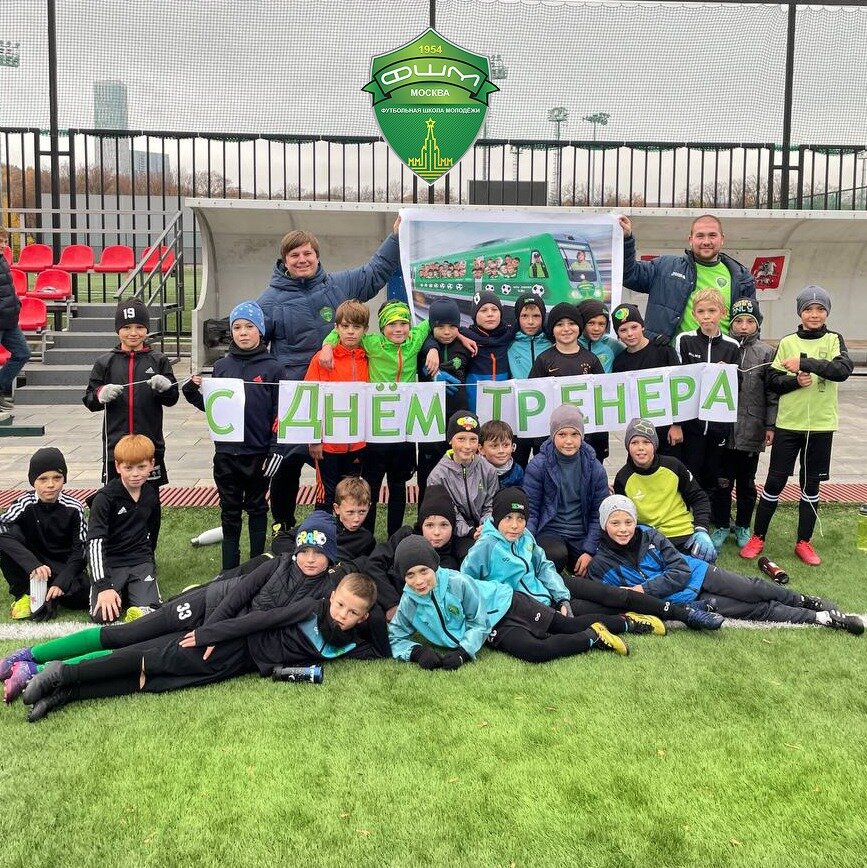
x,y
310,412
224,408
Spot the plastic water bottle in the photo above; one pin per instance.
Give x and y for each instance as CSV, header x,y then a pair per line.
x,y
310,674
208,537
862,528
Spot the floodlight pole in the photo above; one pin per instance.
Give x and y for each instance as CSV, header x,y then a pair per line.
x,y
787,114
558,116
54,138
499,71
598,119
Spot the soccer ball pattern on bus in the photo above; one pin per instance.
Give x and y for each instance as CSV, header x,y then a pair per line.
x,y
506,289
538,289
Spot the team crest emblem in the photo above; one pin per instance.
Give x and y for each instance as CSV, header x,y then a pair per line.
x,y
430,98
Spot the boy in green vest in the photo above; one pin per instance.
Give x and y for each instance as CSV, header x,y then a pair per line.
x,y
805,372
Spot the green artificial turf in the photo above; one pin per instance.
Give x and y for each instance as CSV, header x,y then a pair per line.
x,y
739,748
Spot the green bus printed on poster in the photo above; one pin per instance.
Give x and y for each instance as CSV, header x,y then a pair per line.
x,y
557,267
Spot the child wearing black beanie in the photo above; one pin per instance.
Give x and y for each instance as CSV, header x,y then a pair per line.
x,y
42,542
131,385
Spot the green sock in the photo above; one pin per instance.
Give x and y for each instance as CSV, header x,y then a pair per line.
x,y
72,660
73,645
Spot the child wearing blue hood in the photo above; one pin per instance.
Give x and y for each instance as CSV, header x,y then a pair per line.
x,y
493,338
457,613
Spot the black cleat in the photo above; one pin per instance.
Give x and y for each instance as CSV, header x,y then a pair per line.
x,y
49,703
43,683
850,623
817,604
703,619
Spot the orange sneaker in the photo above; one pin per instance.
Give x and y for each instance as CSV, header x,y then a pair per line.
x,y
805,551
753,548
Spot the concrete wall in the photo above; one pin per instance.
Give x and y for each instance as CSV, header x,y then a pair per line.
x,y
240,244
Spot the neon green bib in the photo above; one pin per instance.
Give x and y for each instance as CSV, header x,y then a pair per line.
x,y
715,277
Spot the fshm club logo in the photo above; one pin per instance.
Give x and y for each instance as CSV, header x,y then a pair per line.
x,y
430,98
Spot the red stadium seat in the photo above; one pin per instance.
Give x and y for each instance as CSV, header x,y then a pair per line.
x,y
52,284
33,319
151,258
7,252
76,258
116,259
19,281
33,316
35,257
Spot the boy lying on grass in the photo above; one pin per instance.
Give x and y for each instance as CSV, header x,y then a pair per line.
x,y
457,613
307,631
638,557
273,584
506,552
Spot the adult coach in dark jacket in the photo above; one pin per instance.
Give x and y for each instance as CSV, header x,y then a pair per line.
x,y
669,281
299,306
11,336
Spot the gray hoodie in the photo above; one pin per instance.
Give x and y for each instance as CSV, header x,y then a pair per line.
x,y
471,488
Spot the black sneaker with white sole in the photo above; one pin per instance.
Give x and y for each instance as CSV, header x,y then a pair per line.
x,y
850,623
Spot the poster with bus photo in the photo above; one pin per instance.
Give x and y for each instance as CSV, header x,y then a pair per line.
x,y
559,256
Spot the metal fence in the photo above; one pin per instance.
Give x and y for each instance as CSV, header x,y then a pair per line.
x,y
125,188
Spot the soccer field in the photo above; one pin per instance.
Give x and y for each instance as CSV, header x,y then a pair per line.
x,y
744,747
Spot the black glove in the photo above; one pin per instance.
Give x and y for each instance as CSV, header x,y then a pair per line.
x,y
426,657
45,612
661,341
455,659
567,605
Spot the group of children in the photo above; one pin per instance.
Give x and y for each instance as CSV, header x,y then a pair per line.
x,y
529,555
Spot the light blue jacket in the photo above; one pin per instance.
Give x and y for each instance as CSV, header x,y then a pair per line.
x,y
606,349
458,611
524,350
521,565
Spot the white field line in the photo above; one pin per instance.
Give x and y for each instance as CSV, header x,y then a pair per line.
x,y
29,633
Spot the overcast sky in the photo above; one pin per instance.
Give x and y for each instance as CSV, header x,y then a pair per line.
x,y
691,72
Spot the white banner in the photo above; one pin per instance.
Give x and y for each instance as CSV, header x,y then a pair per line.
x,y
415,412
224,409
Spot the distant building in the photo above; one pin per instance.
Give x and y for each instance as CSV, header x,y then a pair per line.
x,y
110,105
144,162
110,112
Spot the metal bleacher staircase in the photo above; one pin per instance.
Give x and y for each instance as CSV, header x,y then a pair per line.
x,y
157,280
62,376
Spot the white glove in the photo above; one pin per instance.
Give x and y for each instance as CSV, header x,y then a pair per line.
x,y
109,392
159,383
